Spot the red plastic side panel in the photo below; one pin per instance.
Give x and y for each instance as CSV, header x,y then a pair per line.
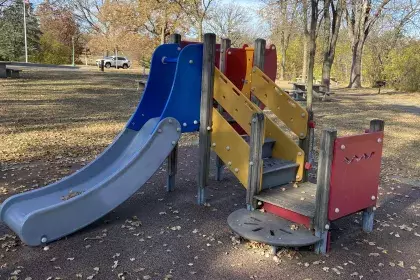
x,y
355,174
236,66
287,214
270,63
217,59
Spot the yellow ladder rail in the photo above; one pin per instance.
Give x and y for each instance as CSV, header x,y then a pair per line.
x,y
280,103
230,147
241,109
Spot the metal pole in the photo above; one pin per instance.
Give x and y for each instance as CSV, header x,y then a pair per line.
x,y
72,42
24,29
173,156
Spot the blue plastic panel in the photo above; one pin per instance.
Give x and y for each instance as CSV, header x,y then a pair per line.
x,y
184,101
158,87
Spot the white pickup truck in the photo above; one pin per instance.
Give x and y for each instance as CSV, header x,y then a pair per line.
x,y
110,61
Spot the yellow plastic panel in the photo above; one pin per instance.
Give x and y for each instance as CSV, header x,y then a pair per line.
x,y
233,101
280,103
285,147
246,89
230,147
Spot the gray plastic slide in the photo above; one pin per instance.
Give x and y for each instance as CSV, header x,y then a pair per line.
x,y
49,213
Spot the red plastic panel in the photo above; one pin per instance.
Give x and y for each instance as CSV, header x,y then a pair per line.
x,y
287,214
236,66
270,63
355,174
217,59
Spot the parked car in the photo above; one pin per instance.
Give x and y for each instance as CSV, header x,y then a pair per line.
x,y
110,61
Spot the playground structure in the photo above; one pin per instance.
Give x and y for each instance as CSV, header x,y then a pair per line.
x,y
179,97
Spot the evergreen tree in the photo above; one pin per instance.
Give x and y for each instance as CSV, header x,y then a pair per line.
x,y
12,44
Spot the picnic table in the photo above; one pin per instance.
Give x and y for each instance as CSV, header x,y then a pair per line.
x,y
299,91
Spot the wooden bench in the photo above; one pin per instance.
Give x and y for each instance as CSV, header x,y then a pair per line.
x,y
13,73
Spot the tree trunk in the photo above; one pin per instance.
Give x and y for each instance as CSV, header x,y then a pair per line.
x,y
162,34
305,59
331,29
283,63
356,65
200,31
312,52
306,39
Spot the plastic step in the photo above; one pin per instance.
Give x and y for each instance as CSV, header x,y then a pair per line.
x,y
278,172
300,200
267,146
270,229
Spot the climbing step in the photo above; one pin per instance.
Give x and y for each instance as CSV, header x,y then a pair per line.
x,y
270,229
277,172
267,146
300,200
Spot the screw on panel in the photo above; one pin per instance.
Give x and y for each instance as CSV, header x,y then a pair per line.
x,y
373,197
208,128
374,208
44,239
159,130
195,122
327,226
229,163
254,120
214,144
300,153
178,129
170,121
303,115
251,163
228,148
163,60
191,61
336,210
236,170
259,203
379,140
173,142
184,124
302,134
343,147
229,52
179,48
297,177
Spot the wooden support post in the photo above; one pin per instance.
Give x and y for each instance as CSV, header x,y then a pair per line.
x,y
206,107
306,145
173,156
321,222
102,65
224,45
255,159
259,59
369,213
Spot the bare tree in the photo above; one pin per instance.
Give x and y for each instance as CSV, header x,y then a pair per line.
x,y
331,31
196,11
361,15
229,21
281,15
